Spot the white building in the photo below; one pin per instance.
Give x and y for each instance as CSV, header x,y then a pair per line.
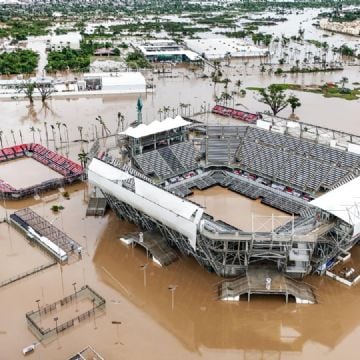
x,y
219,48
58,42
113,83
165,50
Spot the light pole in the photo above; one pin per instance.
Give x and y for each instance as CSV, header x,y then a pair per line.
x,y
76,304
37,301
56,320
117,323
143,268
57,334
93,302
172,288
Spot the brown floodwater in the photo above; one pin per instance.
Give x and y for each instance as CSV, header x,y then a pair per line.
x,y
198,326
238,210
24,172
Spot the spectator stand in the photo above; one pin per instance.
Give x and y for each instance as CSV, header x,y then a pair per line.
x,y
68,169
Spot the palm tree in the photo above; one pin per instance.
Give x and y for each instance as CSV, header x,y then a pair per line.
x,y
121,119
53,132
80,128
238,84
21,137
67,133
1,141
39,131
182,107
46,132
58,124
294,102
13,136
344,80
166,110
226,97
226,82
173,112
32,129
104,129
83,158
160,111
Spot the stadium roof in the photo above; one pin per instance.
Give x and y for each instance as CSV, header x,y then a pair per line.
x,y
155,127
343,202
177,213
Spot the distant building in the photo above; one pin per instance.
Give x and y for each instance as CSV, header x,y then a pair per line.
x,y
113,83
220,48
165,50
104,52
59,42
351,28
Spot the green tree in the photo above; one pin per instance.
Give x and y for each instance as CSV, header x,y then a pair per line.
x,y
344,80
294,102
274,97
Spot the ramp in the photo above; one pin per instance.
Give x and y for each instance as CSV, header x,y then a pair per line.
x,y
154,244
259,281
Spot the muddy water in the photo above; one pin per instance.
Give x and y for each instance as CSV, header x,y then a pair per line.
x,y
17,255
238,210
197,326
34,170
19,116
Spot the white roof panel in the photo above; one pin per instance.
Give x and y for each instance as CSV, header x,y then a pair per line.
x,y
155,127
342,202
118,77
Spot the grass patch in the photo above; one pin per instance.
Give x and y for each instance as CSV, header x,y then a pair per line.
x,y
325,90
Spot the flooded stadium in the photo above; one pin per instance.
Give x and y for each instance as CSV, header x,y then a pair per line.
x,y
197,326
170,312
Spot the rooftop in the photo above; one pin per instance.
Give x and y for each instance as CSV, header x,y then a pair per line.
x,y
343,202
155,127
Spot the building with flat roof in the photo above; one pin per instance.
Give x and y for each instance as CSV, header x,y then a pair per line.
x,y
165,50
119,82
219,48
70,40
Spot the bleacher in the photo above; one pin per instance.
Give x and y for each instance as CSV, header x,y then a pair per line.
x,y
236,114
305,165
64,166
243,186
223,142
168,161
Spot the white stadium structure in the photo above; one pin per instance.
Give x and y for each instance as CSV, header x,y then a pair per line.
x,y
315,182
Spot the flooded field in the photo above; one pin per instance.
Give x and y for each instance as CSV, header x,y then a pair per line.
x,y
198,326
13,172
17,255
238,210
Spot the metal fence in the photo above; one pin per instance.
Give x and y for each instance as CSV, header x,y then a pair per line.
x,y
85,291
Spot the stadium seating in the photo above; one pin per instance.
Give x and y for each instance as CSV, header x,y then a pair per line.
x,y
305,165
67,168
168,161
236,114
